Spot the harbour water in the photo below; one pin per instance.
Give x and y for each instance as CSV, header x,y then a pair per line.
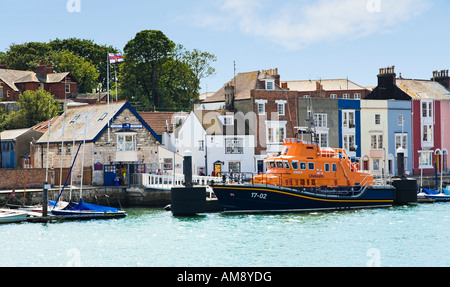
x,y
399,236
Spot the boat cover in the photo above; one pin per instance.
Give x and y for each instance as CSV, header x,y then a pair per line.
x,y
83,206
446,191
429,191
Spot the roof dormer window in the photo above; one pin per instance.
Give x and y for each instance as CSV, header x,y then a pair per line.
x,y
270,85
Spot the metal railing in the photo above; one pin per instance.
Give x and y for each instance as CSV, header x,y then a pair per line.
x,y
167,181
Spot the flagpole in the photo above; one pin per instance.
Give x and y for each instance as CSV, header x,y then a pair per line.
x,y
107,71
115,81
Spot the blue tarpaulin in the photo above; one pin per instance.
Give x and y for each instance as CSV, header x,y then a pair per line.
x,y
93,207
429,191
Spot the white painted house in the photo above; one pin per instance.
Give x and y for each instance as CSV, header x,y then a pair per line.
x,y
216,142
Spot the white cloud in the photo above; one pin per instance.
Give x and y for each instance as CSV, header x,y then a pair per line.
x,y
299,23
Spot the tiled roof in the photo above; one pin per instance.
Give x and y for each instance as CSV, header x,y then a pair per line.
x,y
13,77
245,82
423,89
327,85
160,121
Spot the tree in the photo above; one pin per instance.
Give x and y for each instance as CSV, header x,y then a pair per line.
x,y
85,73
144,58
158,73
178,86
35,107
200,63
94,53
26,56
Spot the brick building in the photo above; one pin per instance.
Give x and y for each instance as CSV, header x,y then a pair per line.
x,y
276,109
14,82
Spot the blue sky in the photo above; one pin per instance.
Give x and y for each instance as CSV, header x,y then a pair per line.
x,y
304,39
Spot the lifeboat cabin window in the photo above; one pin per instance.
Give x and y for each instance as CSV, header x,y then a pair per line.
x,y
334,167
272,164
327,167
286,164
310,165
302,166
294,165
279,164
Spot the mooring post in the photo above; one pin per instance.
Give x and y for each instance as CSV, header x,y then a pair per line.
x,y
45,199
187,168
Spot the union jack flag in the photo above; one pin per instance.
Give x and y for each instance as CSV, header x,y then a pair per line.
x,y
115,58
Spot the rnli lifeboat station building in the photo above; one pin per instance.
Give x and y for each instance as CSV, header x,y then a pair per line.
x,y
118,143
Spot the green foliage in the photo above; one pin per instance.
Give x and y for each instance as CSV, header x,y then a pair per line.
x,y
84,58
26,56
35,107
157,73
85,73
88,50
144,58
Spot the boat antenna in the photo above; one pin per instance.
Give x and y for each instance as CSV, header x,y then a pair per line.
x,y
311,123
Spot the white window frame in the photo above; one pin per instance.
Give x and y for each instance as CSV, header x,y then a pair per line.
x,y
167,164
321,120
401,140
378,141
427,132
429,111
123,144
261,103
281,107
348,119
425,159
270,85
346,142
227,120
273,129
234,145
322,138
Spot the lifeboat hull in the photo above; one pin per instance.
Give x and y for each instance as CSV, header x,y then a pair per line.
x,y
266,198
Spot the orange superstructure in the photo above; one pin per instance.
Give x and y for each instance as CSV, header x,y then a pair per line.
x,y
305,164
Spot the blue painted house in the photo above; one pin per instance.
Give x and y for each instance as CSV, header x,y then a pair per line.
x,y
350,127
399,134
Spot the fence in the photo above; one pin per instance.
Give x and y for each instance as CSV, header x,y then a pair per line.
x,y
166,182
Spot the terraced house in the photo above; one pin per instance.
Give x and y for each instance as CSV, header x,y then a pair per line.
x,y
429,136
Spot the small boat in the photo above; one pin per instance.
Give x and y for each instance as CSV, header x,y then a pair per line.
x,y
430,195
12,217
306,177
87,211
82,210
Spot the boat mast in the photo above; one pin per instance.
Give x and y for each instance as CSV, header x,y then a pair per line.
x,y
82,160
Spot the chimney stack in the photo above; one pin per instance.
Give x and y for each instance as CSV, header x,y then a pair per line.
x,y
43,70
442,78
387,77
